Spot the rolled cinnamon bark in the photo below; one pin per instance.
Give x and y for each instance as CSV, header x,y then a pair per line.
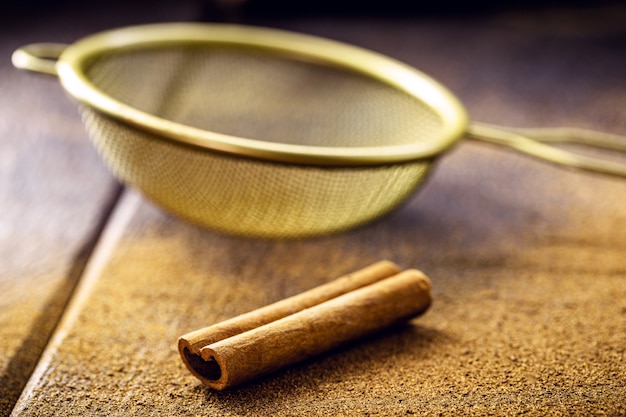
x,y
226,362
248,321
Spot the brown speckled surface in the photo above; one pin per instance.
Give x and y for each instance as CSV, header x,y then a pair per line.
x,y
526,260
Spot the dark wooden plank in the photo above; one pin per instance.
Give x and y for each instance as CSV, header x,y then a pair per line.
x,y
526,259
54,192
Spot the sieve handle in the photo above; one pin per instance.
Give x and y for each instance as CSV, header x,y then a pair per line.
x,y
38,57
533,141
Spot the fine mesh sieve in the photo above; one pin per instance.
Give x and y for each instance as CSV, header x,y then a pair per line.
x,y
263,132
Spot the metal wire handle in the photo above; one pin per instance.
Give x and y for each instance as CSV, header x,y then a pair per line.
x,y
38,57
530,141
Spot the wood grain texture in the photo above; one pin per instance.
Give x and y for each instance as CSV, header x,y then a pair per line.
x,y
526,260
55,194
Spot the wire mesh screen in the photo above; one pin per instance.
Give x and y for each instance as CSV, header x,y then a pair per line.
x,y
251,94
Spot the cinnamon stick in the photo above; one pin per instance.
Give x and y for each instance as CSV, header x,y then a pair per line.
x,y
225,361
248,321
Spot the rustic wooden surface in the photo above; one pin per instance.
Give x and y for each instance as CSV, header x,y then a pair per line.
x,y
527,260
55,195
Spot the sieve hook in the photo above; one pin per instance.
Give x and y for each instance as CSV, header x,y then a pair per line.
x,y
38,57
534,142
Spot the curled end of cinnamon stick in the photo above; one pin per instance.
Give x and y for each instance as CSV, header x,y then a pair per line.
x,y
208,370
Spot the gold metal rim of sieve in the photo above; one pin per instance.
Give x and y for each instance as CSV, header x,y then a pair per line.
x,y
76,58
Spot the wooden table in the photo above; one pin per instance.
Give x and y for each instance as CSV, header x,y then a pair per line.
x,y
527,260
